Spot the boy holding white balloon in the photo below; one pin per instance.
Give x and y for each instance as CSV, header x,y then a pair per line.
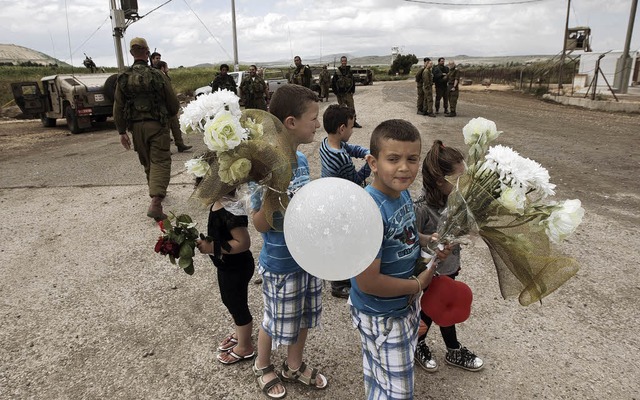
x,y
384,298
335,158
292,297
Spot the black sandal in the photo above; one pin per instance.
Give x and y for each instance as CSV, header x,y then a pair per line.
x,y
265,387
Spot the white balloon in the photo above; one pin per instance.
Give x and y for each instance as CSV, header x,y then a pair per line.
x,y
333,228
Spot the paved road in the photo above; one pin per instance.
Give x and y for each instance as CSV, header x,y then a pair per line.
x,y
89,311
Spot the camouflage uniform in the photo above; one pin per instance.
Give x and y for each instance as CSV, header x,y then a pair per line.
x,y
301,76
420,102
452,86
344,86
225,81
440,80
427,89
144,102
253,91
324,80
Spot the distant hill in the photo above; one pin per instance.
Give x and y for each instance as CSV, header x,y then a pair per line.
x,y
386,60
10,53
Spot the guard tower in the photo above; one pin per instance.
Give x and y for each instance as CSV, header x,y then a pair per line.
x,y
578,39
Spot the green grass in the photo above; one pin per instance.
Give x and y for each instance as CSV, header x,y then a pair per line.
x,y
184,80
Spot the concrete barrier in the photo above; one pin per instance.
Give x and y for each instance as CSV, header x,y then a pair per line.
x,y
602,105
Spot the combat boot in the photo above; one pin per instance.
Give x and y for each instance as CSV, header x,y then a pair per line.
x,y
183,147
155,209
451,114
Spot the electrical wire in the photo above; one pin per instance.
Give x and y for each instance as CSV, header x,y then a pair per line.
x,y
440,3
207,29
90,36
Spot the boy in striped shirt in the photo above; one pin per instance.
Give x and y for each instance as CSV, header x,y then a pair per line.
x,y
335,157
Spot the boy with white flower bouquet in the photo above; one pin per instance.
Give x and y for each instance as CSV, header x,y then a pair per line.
x,y
292,297
501,197
252,145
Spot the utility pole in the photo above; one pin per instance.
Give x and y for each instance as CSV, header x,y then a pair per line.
x,y
236,66
625,69
564,46
118,24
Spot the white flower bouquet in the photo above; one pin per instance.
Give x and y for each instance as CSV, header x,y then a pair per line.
x,y
503,198
249,145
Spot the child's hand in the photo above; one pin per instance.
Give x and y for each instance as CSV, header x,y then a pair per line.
x,y
204,246
443,253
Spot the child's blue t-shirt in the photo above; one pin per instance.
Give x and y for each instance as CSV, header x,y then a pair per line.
x,y
275,256
398,254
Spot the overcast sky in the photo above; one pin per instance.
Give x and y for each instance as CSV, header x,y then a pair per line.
x,y
190,32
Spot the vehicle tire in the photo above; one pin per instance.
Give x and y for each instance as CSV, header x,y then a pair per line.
x,y
110,87
72,120
47,122
101,118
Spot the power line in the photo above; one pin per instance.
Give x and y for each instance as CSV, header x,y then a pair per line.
x,y
440,3
207,29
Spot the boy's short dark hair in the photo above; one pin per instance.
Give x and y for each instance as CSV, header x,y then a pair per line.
x,y
336,115
155,53
224,66
291,101
396,129
427,59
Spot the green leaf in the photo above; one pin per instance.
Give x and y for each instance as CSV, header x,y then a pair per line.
x,y
189,270
186,251
184,218
184,262
172,259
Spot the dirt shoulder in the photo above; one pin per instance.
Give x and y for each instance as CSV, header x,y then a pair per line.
x,y
89,311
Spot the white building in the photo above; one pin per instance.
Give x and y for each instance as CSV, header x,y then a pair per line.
x,y
609,65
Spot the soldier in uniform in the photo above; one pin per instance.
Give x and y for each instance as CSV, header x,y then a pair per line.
x,y
253,90
452,86
224,81
174,123
144,101
427,88
344,86
420,102
324,80
440,72
301,74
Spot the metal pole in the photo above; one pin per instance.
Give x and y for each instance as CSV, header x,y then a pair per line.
x,y
117,34
564,45
624,83
236,66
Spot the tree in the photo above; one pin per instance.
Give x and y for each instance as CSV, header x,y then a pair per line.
x,y
402,64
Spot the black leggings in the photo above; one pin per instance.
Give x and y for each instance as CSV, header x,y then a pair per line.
x,y
234,291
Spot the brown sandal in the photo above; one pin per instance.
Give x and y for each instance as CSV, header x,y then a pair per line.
x,y
265,387
315,381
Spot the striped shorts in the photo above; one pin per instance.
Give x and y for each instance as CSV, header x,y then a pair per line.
x,y
292,302
388,346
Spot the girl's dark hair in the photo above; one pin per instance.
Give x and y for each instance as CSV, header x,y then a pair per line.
x,y
439,162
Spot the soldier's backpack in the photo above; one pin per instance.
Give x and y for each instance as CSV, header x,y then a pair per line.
x,y
419,75
143,88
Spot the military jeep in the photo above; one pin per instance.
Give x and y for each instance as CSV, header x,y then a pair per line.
x,y
81,99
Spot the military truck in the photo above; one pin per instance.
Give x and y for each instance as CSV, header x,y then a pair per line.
x,y
362,75
82,99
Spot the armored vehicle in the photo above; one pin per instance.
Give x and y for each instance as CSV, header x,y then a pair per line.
x,y
81,99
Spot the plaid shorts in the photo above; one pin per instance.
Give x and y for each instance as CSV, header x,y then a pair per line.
x,y
291,302
388,346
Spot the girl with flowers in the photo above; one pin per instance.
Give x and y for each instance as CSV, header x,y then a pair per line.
x,y
229,251
439,163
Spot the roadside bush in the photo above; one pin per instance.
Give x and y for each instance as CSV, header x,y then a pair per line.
x,y
402,64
